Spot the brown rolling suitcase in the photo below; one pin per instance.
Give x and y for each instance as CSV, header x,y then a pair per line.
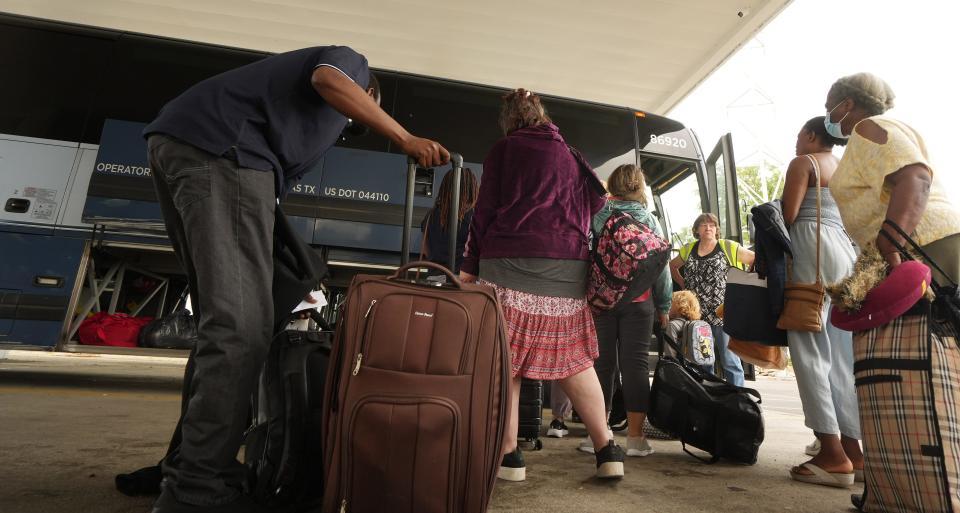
x,y
415,394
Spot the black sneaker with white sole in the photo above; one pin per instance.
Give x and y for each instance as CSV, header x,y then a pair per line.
x,y
610,461
557,429
512,467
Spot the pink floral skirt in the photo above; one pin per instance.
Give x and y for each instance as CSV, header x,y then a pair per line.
x,y
550,337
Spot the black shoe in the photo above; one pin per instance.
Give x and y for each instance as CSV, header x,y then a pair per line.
x,y
610,462
617,420
512,467
166,503
575,418
145,481
557,429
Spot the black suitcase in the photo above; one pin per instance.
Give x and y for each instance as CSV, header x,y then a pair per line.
x,y
531,412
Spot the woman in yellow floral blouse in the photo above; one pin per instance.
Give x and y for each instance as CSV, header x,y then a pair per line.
x,y
886,174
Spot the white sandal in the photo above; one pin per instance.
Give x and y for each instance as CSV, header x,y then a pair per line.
x,y
822,477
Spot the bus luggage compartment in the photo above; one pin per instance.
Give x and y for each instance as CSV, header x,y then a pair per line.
x,y
36,281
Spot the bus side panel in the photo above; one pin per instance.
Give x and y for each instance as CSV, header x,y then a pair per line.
x,y
34,174
71,215
37,275
101,208
361,197
302,203
373,177
371,236
121,187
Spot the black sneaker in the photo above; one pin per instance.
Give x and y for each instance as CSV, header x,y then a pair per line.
x,y
512,467
557,429
145,481
617,420
610,462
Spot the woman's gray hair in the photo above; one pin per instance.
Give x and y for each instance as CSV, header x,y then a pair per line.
x,y
867,90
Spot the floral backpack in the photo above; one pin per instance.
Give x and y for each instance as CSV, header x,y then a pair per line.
x,y
627,258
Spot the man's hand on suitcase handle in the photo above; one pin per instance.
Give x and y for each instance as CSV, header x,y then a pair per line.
x,y
427,153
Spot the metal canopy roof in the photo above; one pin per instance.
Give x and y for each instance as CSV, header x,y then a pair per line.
x,y
646,54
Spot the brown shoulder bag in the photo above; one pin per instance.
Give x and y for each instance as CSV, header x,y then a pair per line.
x,y
803,302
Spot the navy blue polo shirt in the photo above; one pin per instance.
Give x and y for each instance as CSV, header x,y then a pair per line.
x,y
268,110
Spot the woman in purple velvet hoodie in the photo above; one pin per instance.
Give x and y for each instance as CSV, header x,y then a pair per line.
x,y
529,239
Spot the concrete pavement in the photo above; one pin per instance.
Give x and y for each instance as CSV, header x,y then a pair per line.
x,y
70,422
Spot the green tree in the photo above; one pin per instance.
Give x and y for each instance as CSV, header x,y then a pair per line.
x,y
756,185
682,236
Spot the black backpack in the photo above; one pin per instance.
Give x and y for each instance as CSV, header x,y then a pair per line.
x,y
283,447
705,411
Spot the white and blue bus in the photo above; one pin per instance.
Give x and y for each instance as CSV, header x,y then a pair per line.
x,y
81,231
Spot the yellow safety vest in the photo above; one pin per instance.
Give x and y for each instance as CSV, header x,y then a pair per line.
x,y
730,250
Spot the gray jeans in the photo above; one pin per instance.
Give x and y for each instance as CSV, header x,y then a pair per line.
x,y
219,218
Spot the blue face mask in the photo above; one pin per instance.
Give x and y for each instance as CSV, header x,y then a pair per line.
x,y
834,128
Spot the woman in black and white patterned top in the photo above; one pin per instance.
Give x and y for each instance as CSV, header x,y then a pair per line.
x,y
706,276
701,268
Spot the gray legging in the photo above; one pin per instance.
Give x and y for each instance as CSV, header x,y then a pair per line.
x,y
624,339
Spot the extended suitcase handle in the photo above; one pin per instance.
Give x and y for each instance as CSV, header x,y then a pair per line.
x,y
457,160
423,263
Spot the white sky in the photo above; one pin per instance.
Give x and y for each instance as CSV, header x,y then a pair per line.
x,y
779,80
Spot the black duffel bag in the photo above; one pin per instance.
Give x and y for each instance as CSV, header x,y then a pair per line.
x,y
177,330
705,411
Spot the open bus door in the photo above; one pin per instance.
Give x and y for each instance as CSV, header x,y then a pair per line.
x,y
722,187
725,201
